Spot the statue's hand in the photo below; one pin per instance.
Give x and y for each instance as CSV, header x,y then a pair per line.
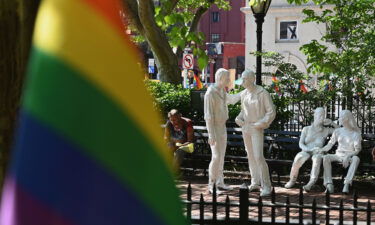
x,y
316,150
327,122
346,161
257,125
239,122
211,141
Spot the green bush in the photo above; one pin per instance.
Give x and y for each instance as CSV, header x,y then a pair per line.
x,y
168,96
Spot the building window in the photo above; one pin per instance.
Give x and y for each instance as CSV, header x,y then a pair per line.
x,y
288,30
215,38
215,17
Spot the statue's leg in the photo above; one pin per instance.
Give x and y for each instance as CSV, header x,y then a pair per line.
x,y
216,154
354,162
327,164
315,170
250,155
260,161
222,145
299,160
316,164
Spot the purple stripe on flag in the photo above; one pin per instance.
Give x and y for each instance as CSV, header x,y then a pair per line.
x,y
68,181
17,208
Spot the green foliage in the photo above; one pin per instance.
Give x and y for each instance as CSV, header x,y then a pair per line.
x,y
168,96
286,91
176,22
351,30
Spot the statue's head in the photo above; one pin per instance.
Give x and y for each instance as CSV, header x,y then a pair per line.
x,y
222,77
319,116
347,120
248,78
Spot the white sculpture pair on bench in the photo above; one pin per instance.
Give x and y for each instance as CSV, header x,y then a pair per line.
x,y
257,113
312,140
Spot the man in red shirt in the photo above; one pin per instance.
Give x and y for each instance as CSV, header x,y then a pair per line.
x,y
178,132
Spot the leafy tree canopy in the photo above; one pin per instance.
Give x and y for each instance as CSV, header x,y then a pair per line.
x,y
169,26
351,30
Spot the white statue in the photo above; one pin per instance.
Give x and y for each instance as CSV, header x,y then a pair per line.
x,y
257,113
311,141
216,114
349,140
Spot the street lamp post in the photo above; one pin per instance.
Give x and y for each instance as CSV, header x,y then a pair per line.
x,y
260,11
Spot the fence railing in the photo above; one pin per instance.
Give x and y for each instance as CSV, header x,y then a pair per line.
x,y
244,204
362,109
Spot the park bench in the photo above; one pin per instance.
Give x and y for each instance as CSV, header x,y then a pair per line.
x,y
280,149
278,145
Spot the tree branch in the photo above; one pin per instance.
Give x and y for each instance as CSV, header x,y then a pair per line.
x,y
168,10
194,24
131,8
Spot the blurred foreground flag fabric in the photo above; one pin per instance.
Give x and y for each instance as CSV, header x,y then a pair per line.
x,y
88,149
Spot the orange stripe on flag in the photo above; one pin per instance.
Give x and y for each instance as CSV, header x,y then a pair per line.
x,y
110,9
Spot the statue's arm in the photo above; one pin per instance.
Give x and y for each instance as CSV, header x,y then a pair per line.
x,y
209,115
302,140
270,112
357,144
331,142
240,121
233,98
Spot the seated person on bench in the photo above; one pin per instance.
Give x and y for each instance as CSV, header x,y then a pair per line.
x,y
311,140
178,132
348,140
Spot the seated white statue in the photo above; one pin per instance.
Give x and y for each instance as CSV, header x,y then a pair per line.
x,y
349,145
311,140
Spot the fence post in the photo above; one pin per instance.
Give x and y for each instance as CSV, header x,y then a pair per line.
x,y
244,204
300,202
260,210
227,208
214,204
341,213
188,205
201,210
287,210
355,206
368,212
273,196
327,207
314,212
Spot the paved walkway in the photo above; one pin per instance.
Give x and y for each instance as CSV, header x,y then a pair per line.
x,y
366,192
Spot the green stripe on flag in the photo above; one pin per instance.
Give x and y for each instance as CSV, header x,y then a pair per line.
x,y
60,97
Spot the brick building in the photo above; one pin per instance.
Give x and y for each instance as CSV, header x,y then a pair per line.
x,y
225,37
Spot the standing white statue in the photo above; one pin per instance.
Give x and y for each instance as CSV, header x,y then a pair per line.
x,y
349,140
311,141
216,100
257,113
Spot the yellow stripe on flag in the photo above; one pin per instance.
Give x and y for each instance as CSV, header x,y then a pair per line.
x,y
102,55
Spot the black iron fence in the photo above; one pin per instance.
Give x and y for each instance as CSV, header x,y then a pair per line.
x,y
362,109
244,205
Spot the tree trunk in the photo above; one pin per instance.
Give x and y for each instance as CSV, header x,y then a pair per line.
x,y
17,21
166,60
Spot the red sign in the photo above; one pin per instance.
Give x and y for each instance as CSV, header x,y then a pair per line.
x,y
188,61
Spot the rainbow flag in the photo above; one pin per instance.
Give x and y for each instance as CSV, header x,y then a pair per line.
x,y
89,147
197,82
328,86
275,85
302,87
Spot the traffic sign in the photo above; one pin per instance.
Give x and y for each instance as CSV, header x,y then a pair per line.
x,y
188,61
151,69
